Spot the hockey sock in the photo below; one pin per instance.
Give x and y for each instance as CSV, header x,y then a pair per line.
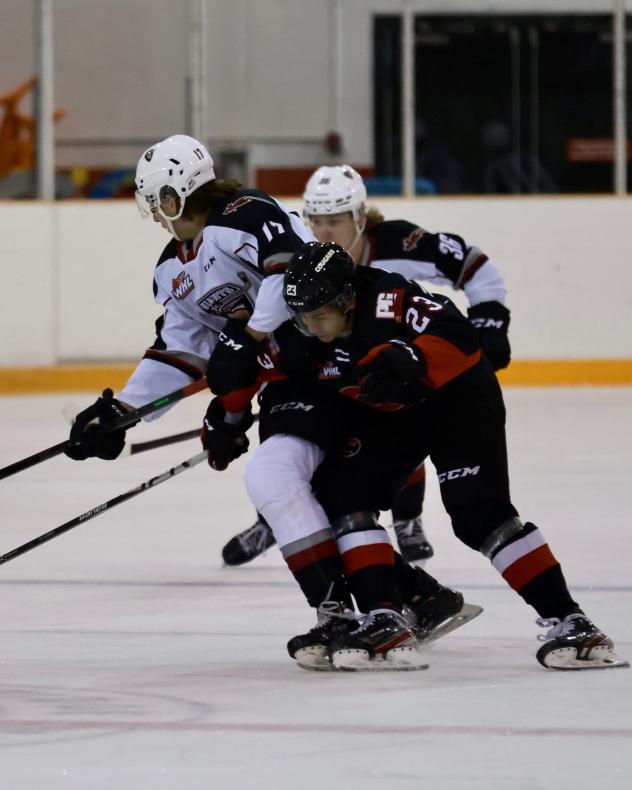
x,y
549,595
318,569
367,561
414,583
521,554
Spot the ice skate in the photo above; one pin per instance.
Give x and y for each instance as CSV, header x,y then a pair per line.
x,y
439,614
411,539
383,642
576,643
248,544
310,650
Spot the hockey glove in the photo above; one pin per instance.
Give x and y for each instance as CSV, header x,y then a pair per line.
x,y
492,321
224,441
89,437
392,373
233,364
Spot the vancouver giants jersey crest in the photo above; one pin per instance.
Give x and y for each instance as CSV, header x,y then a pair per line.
x,y
247,241
438,258
388,307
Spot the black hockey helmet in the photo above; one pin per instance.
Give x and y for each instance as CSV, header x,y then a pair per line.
x,y
317,275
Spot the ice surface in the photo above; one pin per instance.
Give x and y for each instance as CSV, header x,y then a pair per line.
x,y
131,659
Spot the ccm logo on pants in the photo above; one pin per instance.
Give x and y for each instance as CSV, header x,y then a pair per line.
x,y
292,405
457,474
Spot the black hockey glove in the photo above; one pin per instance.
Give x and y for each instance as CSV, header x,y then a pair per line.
x,y
393,373
89,437
233,364
224,441
492,321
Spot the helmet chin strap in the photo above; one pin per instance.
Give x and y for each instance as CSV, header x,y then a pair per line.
x,y
360,225
170,228
169,221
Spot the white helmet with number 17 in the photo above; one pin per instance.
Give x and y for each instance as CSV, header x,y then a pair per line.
x,y
176,166
334,190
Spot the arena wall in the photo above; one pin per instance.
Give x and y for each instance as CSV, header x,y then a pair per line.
x,y
77,282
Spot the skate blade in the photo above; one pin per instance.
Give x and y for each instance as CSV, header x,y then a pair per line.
x,y
468,612
565,658
399,659
314,659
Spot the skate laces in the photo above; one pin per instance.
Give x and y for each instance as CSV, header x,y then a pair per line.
x,y
332,610
370,617
556,626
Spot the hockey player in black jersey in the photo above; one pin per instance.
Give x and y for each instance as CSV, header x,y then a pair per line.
x,y
225,262
335,207
413,383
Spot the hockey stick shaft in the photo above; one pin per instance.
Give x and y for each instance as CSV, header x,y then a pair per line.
x,y
152,444
120,422
96,511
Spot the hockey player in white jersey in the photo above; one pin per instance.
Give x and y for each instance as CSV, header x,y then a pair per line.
x,y
336,209
225,261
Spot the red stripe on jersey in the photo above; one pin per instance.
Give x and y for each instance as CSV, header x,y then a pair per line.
x,y
239,400
525,569
417,476
275,268
445,361
174,362
360,557
296,562
353,392
473,268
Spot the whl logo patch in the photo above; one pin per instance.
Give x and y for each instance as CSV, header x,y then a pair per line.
x,y
329,371
457,474
182,286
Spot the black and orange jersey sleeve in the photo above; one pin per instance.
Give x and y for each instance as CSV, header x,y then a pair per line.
x,y
430,322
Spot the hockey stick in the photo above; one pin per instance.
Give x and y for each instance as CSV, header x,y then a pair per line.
x,y
141,447
96,511
120,422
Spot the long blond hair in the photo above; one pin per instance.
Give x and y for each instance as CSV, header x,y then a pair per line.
x,y
373,217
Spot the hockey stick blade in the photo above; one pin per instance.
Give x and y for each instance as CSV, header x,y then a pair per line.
x,y
96,511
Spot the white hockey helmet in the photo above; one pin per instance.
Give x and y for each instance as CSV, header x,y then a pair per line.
x,y
177,166
334,190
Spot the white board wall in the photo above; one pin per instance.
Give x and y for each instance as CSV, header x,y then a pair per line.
x,y
77,276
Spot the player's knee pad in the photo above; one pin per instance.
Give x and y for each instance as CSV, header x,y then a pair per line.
x,y
354,522
279,467
474,524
